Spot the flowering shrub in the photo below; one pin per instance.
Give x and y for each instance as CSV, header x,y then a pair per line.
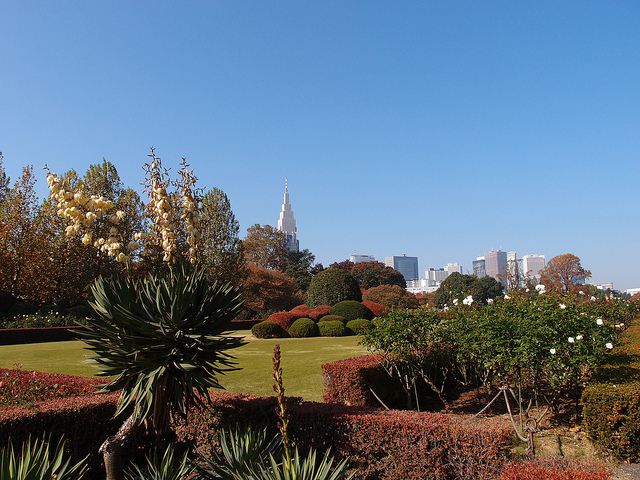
x,y
41,321
539,342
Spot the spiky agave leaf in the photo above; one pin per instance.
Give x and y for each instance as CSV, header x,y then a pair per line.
x,y
162,340
166,467
243,451
36,462
306,468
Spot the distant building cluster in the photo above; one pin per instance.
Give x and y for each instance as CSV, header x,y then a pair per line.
x,y
505,267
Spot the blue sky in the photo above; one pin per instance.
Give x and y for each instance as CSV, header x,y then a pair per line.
x,y
436,129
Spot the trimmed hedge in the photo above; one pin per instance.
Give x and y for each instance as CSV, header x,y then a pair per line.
x,y
385,445
359,325
304,328
350,310
332,318
331,286
378,309
332,328
612,399
319,312
268,329
554,469
357,381
284,319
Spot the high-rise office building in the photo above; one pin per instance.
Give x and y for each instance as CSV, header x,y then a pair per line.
x,y
287,223
479,269
407,266
532,264
436,275
355,258
495,263
452,267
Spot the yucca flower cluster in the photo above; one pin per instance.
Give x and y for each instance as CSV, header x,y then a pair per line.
x,y
170,211
84,211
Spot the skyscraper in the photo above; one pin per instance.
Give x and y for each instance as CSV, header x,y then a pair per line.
x,y
532,264
495,263
479,269
407,266
287,223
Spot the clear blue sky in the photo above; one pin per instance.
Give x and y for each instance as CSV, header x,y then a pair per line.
x,y
436,129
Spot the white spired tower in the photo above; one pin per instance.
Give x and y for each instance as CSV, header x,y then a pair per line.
x,y
287,223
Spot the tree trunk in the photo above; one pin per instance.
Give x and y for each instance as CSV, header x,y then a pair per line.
x,y
113,447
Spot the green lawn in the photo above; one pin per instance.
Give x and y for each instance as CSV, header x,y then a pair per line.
x,y
301,361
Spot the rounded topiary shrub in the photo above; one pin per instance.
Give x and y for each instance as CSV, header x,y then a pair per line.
x,y
333,318
332,328
359,325
377,308
350,310
268,329
301,309
319,312
304,328
284,319
332,286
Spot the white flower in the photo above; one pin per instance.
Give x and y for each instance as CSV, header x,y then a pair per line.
x,y
579,337
490,301
553,351
540,288
581,292
609,345
455,301
507,297
562,306
593,299
599,321
571,339
468,300
445,309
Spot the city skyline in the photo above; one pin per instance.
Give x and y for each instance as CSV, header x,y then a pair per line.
x,y
437,129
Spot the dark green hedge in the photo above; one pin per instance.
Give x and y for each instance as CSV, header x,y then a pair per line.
x,y
612,399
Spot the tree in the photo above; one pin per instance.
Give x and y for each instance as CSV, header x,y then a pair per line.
x,y
344,265
331,286
458,286
222,251
4,182
563,272
391,296
374,274
23,247
266,247
300,267
268,290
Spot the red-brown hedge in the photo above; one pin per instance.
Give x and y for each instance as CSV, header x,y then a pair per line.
x,y
385,445
377,309
284,319
319,312
304,309
353,381
558,469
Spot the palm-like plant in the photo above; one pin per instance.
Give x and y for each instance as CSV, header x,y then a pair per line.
x,y
161,338
36,462
165,467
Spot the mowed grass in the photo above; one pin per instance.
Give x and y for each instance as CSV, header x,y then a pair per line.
x,y
301,362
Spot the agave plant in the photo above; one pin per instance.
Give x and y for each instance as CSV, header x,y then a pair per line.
x,y
165,467
36,462
243,451
162,340
305,468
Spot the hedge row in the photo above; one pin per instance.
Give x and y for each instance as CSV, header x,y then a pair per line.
x,y
359,381
379,444
612,399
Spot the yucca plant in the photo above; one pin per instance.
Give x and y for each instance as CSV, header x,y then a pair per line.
x,y
162,340
243,450
169,466
37,462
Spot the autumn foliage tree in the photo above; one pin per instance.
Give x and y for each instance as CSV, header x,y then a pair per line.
x,y
268,290
563,272
391,296
266,247
374,274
